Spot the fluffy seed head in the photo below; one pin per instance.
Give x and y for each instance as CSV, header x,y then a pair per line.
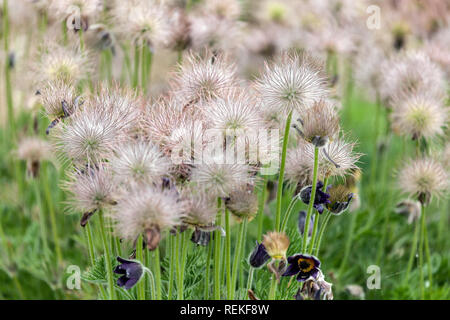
x,y
53,95
319,124
402,76
201,207
295,82
418,115
236,111
220,179
243,202
58,63
146,22
276,244
91,188
146,208
139,162
425,178
33,149
90,135
298,165
203,78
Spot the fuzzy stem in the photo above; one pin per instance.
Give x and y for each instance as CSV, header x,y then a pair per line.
x,y
238,255
208,266
172,267
312,198
217,251
90,243
107,249
413,252
321,232
140,256
348,244
157,270
421,251
428,255
289,210
178,262
135,79
261,204
8,88
273,286
281,174
316,222
250,279
184,247
51,209
228,254
42,222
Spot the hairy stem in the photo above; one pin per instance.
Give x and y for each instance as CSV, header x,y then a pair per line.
x,y
281,174
312,199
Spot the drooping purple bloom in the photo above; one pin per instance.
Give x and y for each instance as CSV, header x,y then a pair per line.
x,y
131,272
302,223
320,199
259,256
304,266
337,207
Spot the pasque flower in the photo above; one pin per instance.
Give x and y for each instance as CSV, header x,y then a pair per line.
x,y
304,266
320,199
339,199
131,271
259,256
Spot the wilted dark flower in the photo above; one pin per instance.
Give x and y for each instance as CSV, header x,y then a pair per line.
x,y
304,266
201,237
315,289
340,197
259,256
320,199
302,222
131,271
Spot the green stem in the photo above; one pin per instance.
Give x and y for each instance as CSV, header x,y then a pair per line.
x,y
289,210
249,280
281,174
348,244
421,251
172,267
228,254
316,222
51,209
157,270
217,251
136,67
207,272
184,246
140,287
322,231
273,287
107,249
312,198
261,204
413,252
8,88
428,256
90,243
42,222
238,255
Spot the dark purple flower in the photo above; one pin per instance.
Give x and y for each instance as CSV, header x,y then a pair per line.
x,y
302,223
131,272
304,266
259,256
320,198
